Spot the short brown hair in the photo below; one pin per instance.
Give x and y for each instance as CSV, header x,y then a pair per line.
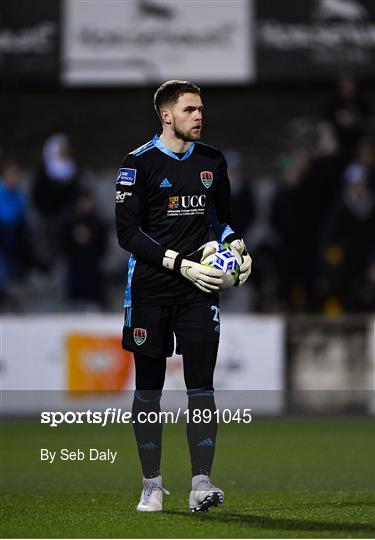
x,y
170,91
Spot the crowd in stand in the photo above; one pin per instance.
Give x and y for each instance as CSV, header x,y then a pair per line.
x,y
310,225
313,237
57,221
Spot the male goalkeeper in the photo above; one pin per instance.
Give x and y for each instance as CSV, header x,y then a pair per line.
x,y
169,192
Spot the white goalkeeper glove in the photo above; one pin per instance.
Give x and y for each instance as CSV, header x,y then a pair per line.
x,y
239,246
209,248
245,268
207,279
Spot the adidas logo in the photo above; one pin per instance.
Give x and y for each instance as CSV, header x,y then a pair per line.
x,y
207,442
148,446
165,183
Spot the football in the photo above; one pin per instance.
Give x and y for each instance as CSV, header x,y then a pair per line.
x,y
228,259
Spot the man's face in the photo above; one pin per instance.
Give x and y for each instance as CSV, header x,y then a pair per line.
x,y
12,177
186,117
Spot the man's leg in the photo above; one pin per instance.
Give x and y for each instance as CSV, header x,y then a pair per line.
x,y
146,333
199,364
150,375
197,329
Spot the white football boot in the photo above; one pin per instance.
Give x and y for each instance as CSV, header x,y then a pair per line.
x,y
152,495
204,494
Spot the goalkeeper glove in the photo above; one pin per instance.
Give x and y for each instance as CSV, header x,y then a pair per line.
x,y
245,268
239,245
205,278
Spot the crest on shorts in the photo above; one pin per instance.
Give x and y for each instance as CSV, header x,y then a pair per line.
x,y
207,178
140,335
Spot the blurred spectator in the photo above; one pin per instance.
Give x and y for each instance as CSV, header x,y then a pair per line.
x,y
366,290
324,175
349,114
243,208
291,223
243,211
14,241
322,184
366,156
84,242
55,189
348,242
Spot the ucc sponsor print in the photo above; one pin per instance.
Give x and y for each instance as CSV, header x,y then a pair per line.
x,y
186,205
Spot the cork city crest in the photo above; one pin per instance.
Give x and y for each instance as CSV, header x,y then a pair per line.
x,y
140,335
207,178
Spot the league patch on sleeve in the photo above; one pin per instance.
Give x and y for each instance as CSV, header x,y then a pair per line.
x,y
126,177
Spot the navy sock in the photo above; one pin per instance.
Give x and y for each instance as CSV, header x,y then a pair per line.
x,y
201,436
148,435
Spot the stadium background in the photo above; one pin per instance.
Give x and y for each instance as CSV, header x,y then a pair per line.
x,y
289,97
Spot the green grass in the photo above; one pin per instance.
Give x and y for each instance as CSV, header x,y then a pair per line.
x,y
282,478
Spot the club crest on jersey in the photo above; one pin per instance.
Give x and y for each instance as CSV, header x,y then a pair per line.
x,y
207,178
139,335
126,177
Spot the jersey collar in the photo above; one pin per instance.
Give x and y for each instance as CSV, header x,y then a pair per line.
x,y
157,142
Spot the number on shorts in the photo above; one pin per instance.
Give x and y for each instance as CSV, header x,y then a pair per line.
x,y
216,310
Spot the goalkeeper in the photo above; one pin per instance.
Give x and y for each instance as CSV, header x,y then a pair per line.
x,y
169,192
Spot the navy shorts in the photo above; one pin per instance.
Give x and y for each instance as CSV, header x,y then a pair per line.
x,y
150,330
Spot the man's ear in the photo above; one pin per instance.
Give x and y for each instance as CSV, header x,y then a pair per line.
x,y
166,116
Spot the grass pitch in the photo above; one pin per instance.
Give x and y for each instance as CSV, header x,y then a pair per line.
x,y
281,478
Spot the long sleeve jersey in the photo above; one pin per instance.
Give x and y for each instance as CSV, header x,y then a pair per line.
x,y
169,201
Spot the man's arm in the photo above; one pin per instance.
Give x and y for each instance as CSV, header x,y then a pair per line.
x,y
131,198
221,215
221,220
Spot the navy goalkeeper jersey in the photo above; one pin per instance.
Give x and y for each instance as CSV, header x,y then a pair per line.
x,y
169,201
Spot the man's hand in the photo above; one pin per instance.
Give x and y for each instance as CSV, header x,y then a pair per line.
x,y
204,277
209,248
207,279
245,268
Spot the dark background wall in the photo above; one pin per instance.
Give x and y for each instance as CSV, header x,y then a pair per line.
x,y
104,124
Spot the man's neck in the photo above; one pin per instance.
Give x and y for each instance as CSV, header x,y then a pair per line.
x,y
178,146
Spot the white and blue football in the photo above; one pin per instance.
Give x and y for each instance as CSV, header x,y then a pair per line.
x,y
225,258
